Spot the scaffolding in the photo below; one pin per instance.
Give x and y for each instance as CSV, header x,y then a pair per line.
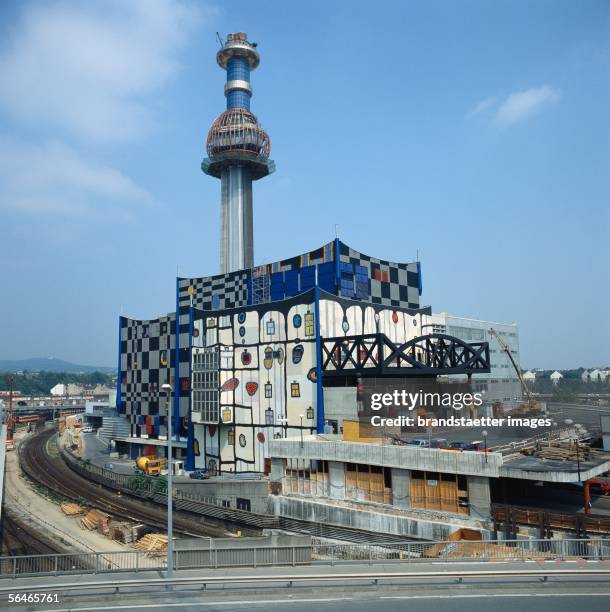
x,y
260,285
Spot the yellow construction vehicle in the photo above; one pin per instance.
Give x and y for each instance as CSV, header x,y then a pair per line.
x,y
150,465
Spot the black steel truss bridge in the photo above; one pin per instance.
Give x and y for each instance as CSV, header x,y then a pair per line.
x,y
377,355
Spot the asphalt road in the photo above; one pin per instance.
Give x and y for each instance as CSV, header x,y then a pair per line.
x,y
457,599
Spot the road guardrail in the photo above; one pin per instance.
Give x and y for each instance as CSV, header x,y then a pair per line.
x,y
292,579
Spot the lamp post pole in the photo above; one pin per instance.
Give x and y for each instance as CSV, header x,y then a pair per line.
x,y
301,416
170,481
485,441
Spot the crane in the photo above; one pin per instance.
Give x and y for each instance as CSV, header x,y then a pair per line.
x,y
530,398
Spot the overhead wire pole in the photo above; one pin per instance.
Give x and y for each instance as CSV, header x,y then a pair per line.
x,y
170,482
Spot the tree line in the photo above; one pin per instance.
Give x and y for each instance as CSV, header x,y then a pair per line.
x,y
41,383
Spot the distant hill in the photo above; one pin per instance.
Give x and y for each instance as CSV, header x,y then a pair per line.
x,y
48,364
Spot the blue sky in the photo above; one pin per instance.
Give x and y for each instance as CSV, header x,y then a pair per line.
x,y
474,133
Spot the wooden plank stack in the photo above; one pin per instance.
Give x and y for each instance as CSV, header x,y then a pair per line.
x,y
559,451
124,532
94,519
154,544
71,509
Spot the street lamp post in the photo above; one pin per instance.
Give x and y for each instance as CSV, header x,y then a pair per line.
x,y
485,442
302,417
170,473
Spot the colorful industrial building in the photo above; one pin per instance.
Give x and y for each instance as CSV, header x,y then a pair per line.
x,y
251,353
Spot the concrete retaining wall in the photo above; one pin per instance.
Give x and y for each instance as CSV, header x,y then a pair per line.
x,y
375,521
405,457
256,491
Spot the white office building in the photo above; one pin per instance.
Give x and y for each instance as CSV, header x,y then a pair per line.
x,y
501,383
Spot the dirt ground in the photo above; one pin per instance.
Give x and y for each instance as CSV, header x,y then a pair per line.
x,y
46,516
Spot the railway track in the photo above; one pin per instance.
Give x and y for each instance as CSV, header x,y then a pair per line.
x,y
19,538
49,470
26,551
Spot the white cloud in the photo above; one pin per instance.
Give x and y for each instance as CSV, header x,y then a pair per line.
x,y
52,178
481,107
86,67
522,104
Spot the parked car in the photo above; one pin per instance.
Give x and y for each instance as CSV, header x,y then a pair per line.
x,y
199,474
418,442
87,429
458,445
438,443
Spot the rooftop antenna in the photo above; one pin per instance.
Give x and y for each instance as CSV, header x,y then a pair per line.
x,y
336,231
222,42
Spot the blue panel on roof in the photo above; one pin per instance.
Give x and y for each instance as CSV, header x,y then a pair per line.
x,y
346,267
327,285
307,283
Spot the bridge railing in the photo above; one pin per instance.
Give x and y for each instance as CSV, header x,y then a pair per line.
x,y
316,553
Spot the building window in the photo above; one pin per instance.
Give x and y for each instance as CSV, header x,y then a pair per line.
x,y
310,413
309,324
243,504
268,390
295,389
439,491
205,385
270,328
226,358
231,437
268,416
370,483
308,477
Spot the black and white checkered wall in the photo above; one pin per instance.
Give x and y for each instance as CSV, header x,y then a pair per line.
x,y
147,363
390,284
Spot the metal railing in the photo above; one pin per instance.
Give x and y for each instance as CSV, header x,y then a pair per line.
x,y
289,580
317,553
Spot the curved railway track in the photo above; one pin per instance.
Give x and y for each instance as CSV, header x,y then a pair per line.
x,y
50,471
20,539
26,551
